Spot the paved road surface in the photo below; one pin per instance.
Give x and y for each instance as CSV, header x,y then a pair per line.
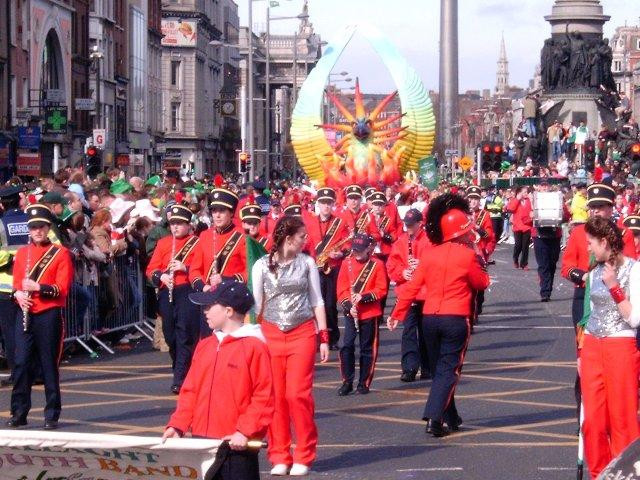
x,y
515,396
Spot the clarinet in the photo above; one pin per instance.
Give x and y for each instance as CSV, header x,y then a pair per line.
x,y
171,270
25,311
411,255
355,317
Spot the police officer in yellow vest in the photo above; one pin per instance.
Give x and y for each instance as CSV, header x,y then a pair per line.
x,y
13,234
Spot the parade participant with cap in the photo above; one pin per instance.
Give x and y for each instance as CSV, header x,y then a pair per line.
x,y
546,247
362,283
270,219
168,272
325,232
233,404
221,252
42,276
13,235
286,287
250,216
357,218
485,241
401,266
609,361
451,270
632,223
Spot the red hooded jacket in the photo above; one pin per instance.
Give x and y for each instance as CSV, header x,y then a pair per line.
x,y
229,387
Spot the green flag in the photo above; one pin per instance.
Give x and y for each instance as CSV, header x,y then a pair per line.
x,y
255,251
428,172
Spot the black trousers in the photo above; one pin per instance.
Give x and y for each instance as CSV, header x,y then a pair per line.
x,y
8,311
547,252
413,349
447,337
42,340
181,329
329,287
521,248
498,226
368,341
239,465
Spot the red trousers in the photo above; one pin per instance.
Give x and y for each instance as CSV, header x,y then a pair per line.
x,y
609,370
292,364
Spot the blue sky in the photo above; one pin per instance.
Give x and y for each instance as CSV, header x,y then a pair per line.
x,y
413,26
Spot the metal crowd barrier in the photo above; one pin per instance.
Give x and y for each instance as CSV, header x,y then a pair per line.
x,y
116,303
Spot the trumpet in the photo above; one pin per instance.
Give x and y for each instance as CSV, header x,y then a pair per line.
x,y
172,272
322,260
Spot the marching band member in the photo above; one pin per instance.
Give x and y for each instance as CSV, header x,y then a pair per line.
x,y
362,283
486,241
386,229
270,219
42,276
609,358
326,234
221,252
168,272
402,263
356,217
250,216
453,271
286,287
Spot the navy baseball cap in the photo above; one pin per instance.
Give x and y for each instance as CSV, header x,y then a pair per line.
x,y
412,217
229,293
361,242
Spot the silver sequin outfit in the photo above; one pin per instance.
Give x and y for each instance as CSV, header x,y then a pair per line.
x,y
605,319
286,302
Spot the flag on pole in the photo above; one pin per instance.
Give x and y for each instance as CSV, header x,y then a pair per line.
x,y
254,252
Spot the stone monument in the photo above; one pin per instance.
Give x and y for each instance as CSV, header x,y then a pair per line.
x,y
576,65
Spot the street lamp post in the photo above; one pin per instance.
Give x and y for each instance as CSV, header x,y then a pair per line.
x,y
96,55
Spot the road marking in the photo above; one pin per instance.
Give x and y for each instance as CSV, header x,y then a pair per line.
x,y
431,469
519,315
555,469
521,327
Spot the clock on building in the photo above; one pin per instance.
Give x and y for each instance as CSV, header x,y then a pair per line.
x,y
228,107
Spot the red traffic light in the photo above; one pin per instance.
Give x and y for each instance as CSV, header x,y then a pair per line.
x,y
590,148
497,149
92,151
635,148
486,148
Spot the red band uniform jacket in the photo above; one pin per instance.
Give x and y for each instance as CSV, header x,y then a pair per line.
x,y
55,281
374,289
487,242
450,272
159,263
317,230
398,261
234,268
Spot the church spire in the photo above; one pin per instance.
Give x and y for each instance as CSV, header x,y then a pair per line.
x,y
502,72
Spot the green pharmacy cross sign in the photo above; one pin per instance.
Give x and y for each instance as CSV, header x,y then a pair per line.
x,y
56,120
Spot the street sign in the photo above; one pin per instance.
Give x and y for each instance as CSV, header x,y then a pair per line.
x,y
123,160
85,104
29,137
24,113
55,120
465,163
451,152
28,164
428,172
137,159
55,95
99,137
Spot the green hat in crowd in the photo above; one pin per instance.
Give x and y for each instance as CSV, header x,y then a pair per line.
x,y
120,186
154,181
67,213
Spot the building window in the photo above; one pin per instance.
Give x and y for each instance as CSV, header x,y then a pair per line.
x,y
637,43
175,117
175,73
617,66
619,86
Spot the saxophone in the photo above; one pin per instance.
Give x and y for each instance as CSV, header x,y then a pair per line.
x,y
322,260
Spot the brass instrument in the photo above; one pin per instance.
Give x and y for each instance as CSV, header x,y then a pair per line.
x,y
322,260
172,272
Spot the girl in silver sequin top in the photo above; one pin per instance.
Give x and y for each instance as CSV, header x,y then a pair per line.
x,y
286,287
609,361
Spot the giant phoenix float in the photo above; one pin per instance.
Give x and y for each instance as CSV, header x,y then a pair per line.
x,y
371,150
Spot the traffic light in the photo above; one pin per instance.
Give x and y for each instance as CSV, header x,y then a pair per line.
x,y
94,161
635,152
590,155
491,153
243,161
